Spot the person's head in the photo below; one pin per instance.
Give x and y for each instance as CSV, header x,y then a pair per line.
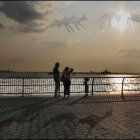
x,y
66,68
86,79
57,64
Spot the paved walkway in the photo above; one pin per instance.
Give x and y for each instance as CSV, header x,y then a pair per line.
x,y
75,118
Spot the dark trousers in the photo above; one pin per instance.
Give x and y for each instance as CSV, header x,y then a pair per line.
x,y
67,87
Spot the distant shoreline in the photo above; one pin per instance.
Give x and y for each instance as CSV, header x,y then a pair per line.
x,y
50,73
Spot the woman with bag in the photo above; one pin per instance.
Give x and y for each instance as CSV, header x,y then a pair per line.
x,y
66,80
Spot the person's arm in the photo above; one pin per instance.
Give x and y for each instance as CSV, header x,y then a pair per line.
x,y
53,73
71,70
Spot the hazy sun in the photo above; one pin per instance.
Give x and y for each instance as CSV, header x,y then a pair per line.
x,y
122,24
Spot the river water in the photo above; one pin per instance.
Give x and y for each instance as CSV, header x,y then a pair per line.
x,y
111,84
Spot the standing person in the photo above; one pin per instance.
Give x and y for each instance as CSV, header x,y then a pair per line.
x,y
56,78
86,86
66,80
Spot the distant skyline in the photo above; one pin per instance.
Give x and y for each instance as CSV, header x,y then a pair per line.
x,y
27,45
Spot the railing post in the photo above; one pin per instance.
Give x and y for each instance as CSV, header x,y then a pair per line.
x,y
122,90
23,88
92,86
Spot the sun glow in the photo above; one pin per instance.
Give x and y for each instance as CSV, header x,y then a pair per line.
x,y
122,24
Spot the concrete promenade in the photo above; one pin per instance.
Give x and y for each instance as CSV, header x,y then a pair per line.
x,y
92,117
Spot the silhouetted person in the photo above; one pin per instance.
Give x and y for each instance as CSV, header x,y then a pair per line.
x,y
86,86
56,78
66,80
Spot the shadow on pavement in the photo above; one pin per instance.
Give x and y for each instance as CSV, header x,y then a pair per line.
x,y
27,109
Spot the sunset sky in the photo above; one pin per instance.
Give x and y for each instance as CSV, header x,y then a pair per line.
x,y
26,44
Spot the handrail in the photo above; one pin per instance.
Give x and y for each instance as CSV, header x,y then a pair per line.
x,y
23,88
25,84
92,86
122,90
3,77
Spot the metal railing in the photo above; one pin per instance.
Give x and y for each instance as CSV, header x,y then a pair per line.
x,y
46,85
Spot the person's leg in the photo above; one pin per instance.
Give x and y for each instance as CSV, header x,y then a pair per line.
x,y
85,94
64,83
69,83
55,89
58,88
67,87
86,90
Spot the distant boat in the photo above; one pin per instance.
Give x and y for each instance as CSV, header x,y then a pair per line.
x,y
3,71
106,72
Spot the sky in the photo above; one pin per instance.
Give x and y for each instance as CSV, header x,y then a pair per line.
x,y
27,44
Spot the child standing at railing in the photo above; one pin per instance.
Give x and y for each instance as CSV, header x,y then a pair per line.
x,y
86,86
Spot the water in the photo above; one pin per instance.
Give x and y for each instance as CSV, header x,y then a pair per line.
x,y
45,85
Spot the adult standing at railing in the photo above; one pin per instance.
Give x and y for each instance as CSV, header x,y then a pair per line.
x,y
56,78
66,80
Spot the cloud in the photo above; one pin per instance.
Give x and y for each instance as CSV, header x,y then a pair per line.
x,y
26,13
55,44
21,11
28,29
1,26
131,53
